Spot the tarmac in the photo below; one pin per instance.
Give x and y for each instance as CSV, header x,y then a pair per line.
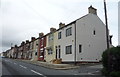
x,y
51,65
56,66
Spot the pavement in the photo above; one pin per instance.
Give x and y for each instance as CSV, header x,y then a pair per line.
x,y
51,65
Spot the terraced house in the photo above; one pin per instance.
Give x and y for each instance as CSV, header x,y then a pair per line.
x,y
41,46
21,51
35,49
27,48
82,40
50,51
31,48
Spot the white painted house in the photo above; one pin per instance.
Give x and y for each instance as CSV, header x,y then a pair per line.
x,y
82,40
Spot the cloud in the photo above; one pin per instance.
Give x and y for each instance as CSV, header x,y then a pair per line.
x,y
22,19
119,23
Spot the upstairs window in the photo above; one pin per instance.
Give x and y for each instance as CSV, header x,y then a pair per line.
x,y
59,35
69,31
50,37
94,32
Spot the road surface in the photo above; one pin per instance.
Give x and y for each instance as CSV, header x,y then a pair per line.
x,y
15,68
0,67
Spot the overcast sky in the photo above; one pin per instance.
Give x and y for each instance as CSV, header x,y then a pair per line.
x,y
119,23
22,19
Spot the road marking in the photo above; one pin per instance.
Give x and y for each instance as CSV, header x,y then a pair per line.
x,y
23,66
91,73
5,60
37,72
10,61
75,74
14,63
96,71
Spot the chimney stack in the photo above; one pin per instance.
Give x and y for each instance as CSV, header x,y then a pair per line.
x,y
22,43
41,34
16,46
12,47
61,24
92,10
32,38
27,41
52,29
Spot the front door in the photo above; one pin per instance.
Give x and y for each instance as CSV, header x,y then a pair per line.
x,y
59,52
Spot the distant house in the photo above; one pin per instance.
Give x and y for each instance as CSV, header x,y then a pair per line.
x,y
30,50
50,53
35,49
15,52
21,51
7,53
82,40
3,54
11,52
26,49
41,46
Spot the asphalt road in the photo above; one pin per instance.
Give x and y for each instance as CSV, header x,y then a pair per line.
x,y
14,68
0,67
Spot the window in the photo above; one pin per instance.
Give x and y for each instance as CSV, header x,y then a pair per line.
x,y
69,49
50,37
93,32
69,31
35,53
59,35
80,48
50,51
42,41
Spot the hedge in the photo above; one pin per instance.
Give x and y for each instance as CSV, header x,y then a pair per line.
x,y
111,62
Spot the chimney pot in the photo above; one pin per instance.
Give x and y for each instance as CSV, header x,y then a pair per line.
x,y
32,38
41,34
16,46
22,43
52,29
92,10
27,41
61,24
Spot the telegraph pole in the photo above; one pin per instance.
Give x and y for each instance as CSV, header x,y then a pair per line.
x,y
107,35
11,44
106,22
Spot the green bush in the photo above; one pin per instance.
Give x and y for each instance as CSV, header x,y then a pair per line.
x,y
105,72
111,61
115,74
105,59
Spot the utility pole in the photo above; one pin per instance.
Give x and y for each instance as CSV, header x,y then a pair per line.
x,y
107,35
11,44
106,22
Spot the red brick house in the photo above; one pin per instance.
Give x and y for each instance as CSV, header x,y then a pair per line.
x,y
41,47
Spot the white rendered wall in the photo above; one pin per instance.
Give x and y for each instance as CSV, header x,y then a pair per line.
x,y
92,45
66,41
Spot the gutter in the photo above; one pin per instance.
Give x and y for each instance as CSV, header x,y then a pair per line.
x,y
75,46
